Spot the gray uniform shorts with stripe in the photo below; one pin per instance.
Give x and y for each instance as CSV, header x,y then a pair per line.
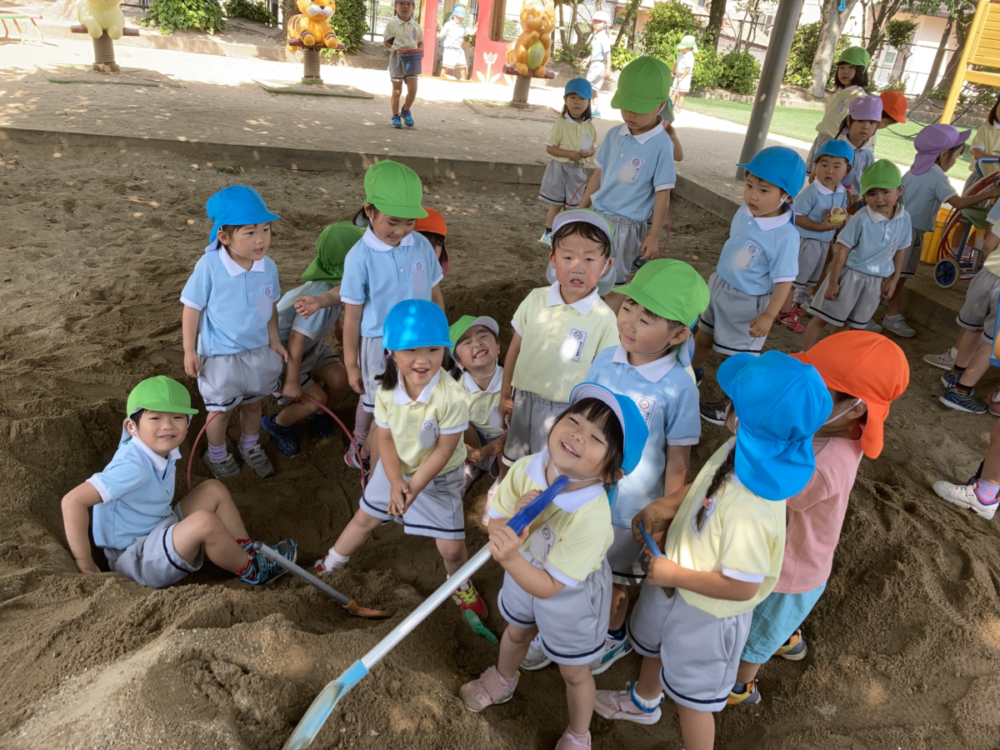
x,y
979,313
629,564
628,239
437,511
856,302
320,356
490,462
700,652
228,380
911,257
729,315
152,560
573,624
372,363
812,257
530,422
396,70
563,184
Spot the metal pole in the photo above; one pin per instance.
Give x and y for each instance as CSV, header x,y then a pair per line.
x,y
522,85
785,21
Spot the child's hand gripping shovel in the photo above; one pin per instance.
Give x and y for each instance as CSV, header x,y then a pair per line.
x,y
323,706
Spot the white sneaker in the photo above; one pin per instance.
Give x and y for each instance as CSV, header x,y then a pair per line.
x,y
614,649
964,496
802,298
898,326
546,238
536,658
873,326
944,361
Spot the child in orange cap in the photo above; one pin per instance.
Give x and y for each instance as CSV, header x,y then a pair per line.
x,y
433,228
865,373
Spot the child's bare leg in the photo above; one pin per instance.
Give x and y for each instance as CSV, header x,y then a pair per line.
x,y
397,91
697,728
514,646
454,554
504,468
550,217
813,331
967,343
978,365
215,433
296,411
619,606
334,379
580,690
680,100
211,519
460,73
356,533
250,418
747,671
362,426
411,93
702,348
648,684
895,303
212,496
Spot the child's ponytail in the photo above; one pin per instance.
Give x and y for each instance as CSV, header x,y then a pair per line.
x,y
720,476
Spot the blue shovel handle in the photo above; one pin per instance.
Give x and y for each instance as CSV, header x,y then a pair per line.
x,y
650,542
523,518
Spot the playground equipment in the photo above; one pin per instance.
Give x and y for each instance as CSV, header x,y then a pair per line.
x,y
14,16
957,254
982,50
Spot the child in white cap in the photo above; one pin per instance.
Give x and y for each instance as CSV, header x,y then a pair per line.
x,y
600,55
683,68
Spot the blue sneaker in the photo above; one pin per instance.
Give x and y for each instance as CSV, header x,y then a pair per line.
x,y
320,426
407,118
282,438
949,379
954,400
396,122
614,649
263,570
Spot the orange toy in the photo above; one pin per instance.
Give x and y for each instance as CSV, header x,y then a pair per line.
x,y
312,27
533,48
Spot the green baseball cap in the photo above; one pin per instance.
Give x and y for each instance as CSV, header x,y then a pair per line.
x,y
160,394
463,324
643,86
670,288
688,42
395,190
857,56
882,174
332,247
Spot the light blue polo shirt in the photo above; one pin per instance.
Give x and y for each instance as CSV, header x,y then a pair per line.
x,y
814,202
136,488
923,195
235,304
378,276
760,252
667,397
874,240
634,168
864,157
993,217
317,325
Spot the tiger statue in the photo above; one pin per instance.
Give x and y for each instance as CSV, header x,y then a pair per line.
x,y
312,27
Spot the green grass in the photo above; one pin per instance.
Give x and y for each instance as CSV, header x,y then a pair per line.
x,y
793,122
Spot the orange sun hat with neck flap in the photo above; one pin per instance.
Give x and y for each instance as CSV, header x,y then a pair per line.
x,y
867,366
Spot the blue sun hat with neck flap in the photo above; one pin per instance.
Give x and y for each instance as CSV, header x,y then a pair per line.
x,y
780,403
780,166
236,205
633,425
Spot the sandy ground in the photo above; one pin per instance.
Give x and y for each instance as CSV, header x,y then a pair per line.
x,y
904,646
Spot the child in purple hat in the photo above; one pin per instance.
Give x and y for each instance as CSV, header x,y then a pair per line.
x,y
864,116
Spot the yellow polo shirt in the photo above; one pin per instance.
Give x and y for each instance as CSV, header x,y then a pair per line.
x,y
442,408
837,110
988,139
484,406
742,538
571,135
404,34
559,341
571,536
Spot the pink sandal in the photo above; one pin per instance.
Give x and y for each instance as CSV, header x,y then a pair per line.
x,y
489,690
570,741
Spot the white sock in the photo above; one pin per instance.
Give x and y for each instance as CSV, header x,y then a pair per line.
x,y
953,353
643,703
334,561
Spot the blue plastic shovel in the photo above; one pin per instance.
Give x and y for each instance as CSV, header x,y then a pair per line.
x,y
650,542
321,708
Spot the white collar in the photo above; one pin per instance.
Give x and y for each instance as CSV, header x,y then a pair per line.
x,y
495,383
231,265
402,398
876,217
583,306
771,222
371,239
568,501
571,121
843,137
653,371
641,139
158,461
996,125
824,190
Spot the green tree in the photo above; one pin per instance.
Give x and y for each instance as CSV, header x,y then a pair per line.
x,y
798,70
350,23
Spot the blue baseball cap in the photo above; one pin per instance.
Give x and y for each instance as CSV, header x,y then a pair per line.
x,y
780,403
414,323
837,148
780,166
459,11
579,86
633,424
236,205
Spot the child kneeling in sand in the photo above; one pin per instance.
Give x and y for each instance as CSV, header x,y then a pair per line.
x,y
144,538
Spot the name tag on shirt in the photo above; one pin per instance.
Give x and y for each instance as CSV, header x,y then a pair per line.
x,y
710,508
646,407
419,273
494,419
586,141
542,542
572,348
629,172
428,433
265,302
893,246
747,256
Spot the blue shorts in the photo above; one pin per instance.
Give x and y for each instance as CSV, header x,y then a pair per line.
x,y
775,620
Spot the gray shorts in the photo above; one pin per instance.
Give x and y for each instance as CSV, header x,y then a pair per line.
x,y
372,364
629,565
729,315
228,380
437,512
857,300
596,74
319,357
700,652
979,313
563,184
152,560
530,422
628,239
396,72
490,463
812,258
573,623
911,258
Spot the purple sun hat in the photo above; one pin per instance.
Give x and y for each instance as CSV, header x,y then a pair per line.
x,y
933,141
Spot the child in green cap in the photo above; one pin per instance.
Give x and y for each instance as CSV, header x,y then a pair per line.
x,y
143,537
683,68
850,82
310,359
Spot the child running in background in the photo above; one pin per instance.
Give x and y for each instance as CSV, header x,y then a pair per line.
x,y
402,32
868,256
143,537
390,263
572,140
557,581
723,549
600,56
865,373
232,345
635,169
561,329
422,414
454,63
850,82
310,359
756,268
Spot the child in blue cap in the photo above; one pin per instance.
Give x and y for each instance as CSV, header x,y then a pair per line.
x,y
757,266
557,580
724,546
454,63
572,140
230,326
422,414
